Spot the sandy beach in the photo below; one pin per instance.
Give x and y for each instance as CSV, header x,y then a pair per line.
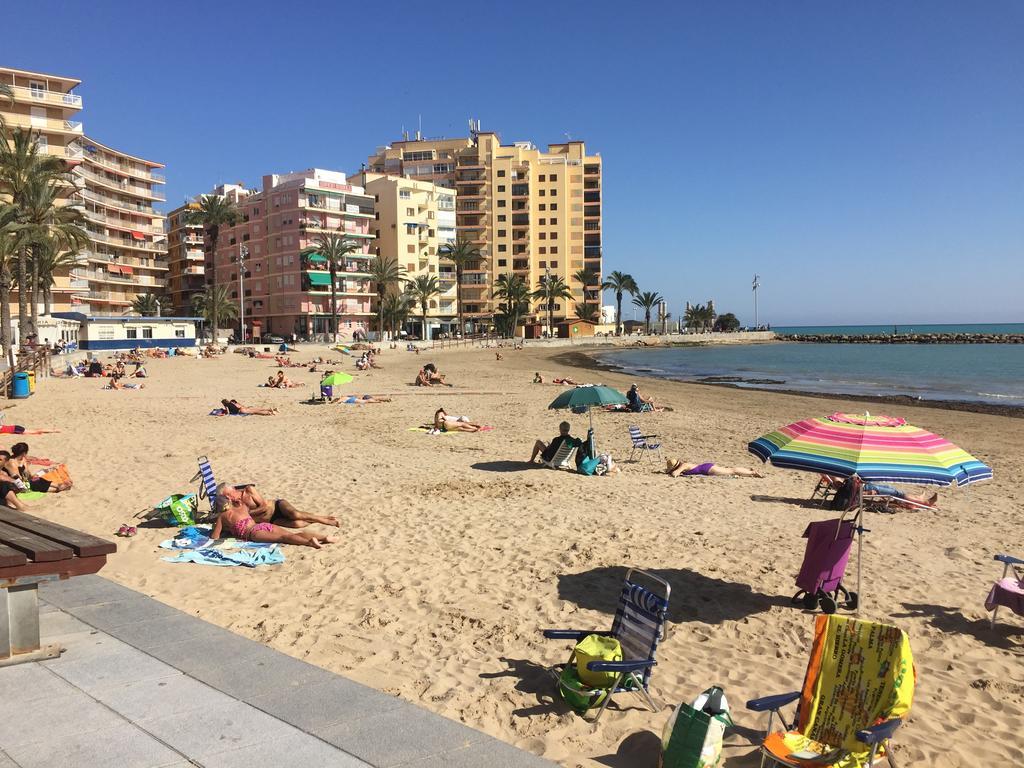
x,y
455,553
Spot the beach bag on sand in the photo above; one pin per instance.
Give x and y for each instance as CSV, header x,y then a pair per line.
x,y
178,509
589,465
597,648
694,734
576,693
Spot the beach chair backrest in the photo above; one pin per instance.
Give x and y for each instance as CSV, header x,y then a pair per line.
x,y
636,436
640,619
859,672
209,485
562,454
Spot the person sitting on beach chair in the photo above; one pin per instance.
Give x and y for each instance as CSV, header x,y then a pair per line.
x,y
547,451
638,403
235,408
679,468
234,518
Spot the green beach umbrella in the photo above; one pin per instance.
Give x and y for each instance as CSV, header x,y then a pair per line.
x,y
588,397
334,379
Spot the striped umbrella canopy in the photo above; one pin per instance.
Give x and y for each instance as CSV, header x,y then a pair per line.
x,y
876,448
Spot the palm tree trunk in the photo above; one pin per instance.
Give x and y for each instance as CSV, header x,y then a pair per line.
x,y
22,295
618,314
380,312
47,300
425,334
34,297
334,301
458,297
551,316
6,331
214,236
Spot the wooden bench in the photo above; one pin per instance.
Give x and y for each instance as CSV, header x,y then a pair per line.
x,y
33,550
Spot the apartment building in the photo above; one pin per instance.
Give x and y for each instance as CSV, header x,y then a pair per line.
x,y
284,292
47,105
414,219
530,213
115,190
186,260
127,254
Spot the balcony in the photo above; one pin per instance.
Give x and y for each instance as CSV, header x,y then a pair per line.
x,y
45,124
128,170
92,177
107,201
125,224
592,211
42,96
592,170
591,197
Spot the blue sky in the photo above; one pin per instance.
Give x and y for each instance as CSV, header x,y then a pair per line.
x,y
866,159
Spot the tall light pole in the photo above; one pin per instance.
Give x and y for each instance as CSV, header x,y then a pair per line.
x,y
243,252
756,285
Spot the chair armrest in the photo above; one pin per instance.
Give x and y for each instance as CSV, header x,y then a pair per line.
x,y
879,733
647,437
570,634
620,666
766,703
1009,559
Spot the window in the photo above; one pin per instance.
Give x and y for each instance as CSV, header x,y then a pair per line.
x,y
147,333
554,177
554,193
428,155
541,193
554,250
542,250
543,235
501,174
543,206
501,204
410,211
554,235
411,248
502,262
542,221
543,265
501,217
554,222
501,187
541,177
502,232
554,206
131,333
405,194
502,248
179,333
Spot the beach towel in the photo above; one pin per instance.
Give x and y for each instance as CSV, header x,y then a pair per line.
x,y
432,431
57,475
1008,592
195,546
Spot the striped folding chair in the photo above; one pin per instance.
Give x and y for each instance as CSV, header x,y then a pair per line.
x,y
642,443
639,625
826,488
207,483
561,458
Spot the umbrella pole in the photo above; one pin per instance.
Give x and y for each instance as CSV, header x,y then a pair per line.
x,y
860,545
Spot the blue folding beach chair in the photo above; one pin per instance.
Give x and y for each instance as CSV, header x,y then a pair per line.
x,y
639,625
642,443
207,484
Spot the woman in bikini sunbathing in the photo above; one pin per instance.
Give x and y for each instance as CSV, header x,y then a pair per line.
x,y
446,423
234,519
681,468
235,408
361,399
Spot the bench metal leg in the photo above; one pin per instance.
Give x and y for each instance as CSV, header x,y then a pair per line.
x,y
19,627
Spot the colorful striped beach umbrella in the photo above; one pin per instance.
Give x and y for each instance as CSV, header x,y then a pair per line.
x,y
876,448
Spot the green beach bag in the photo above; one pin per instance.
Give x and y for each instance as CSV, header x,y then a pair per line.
x,y
693,736
576,694
597,648
178,509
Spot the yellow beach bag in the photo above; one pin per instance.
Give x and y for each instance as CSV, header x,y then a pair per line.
x,y
597,648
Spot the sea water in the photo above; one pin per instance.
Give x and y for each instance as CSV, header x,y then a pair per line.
x,y
986,373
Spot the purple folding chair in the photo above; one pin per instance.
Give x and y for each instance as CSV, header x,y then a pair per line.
x,y
1009,590
821,574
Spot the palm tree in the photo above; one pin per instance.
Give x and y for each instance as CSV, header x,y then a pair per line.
x,y
700,316
385,272
647,301
588,312
621,283
421,290
146,304
461,253
334,248
551,287
214,212
23,168
214,302
395,309
10,244
48,262
514,294
590,279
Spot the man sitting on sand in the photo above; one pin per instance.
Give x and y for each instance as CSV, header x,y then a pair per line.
x,y
234,518
434,376
679,468
547,451
235,408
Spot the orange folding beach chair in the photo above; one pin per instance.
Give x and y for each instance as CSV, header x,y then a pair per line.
x,y
857,691
826,488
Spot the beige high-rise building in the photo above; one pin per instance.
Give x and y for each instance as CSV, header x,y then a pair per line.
x,y
530,212
115,190
186,260
127,255
414,219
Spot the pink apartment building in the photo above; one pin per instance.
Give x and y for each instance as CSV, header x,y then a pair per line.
x,y
284,292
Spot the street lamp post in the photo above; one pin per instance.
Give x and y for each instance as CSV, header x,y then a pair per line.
x,y
757,284
243,252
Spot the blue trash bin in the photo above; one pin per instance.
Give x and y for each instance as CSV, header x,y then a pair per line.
x,y
20,386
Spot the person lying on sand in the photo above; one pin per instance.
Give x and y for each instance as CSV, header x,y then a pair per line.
x,y
279,511
446,423
235,408
360,399
16,467
547,451
678,468
17,429
566,381
884,489
234,519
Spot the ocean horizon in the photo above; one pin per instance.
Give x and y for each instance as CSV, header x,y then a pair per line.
x,y
907,328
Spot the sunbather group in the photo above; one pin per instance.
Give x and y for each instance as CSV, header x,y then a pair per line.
x,y
245,514
234,408
280,381
429,377
16,477
443,422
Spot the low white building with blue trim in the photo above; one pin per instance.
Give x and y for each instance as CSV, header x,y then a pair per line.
x,y
112,332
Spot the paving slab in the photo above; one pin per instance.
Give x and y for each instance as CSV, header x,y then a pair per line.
x,y
262,674
6,762
53,718
120,746
55,623
110,663
117,613
177,627
399,736
84,590
489,752
32,682
300,750
143,699
312,707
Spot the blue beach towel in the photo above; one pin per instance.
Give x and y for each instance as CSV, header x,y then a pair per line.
x,y
194,545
